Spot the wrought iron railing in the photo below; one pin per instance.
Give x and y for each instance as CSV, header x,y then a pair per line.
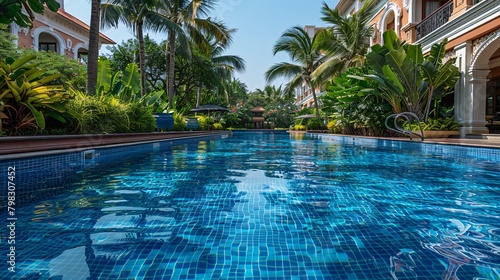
x,y
435,20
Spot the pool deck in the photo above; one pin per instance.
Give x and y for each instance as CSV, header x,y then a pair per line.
x,y
492,142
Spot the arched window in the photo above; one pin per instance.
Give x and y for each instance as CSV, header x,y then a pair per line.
x,y
46,39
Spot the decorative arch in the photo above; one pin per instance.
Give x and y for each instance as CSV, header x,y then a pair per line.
x,y
45,29
485,48
390,7
78,47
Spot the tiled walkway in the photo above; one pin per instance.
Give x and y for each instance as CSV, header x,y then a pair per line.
x,y
492,141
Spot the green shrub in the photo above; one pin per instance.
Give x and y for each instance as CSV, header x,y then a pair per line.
x,y
446,124
28,96
218,126
299,127
73,75
315,124
101,114
206,123
333,126
107,114
141,118
179,122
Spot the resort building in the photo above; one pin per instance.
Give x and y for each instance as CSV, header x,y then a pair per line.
x,y
59,32
472,28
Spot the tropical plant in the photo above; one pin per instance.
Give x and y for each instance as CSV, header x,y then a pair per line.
x,y
439,124
106,114
12,10
218,126
24,85
224,66
346,42
136,15
229,92
206,123
272,93
406,78
299,127
280,113
7,46
72,74
125,85
179,122
188,22
353,109
316,124
305,59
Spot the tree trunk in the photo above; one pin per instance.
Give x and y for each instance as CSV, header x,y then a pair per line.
x,y
198,95
93,55
171,68
316,105
142,58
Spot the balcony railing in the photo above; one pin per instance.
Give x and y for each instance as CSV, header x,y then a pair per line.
x,y
435,20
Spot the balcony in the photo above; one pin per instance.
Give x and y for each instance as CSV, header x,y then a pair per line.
x,y
435,20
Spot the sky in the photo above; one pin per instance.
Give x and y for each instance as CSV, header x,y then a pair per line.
x,y
260,24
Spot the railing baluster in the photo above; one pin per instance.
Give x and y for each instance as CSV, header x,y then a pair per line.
x,y
435,20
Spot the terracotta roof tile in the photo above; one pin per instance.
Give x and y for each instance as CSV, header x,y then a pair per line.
x,y
70,17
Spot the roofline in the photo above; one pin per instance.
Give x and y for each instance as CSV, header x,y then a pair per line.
x,y
343,5
104,39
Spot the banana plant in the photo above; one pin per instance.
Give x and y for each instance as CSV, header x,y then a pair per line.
x,y
25,85
406,78
125,85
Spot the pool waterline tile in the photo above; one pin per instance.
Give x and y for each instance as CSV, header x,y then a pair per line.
x,y
313,210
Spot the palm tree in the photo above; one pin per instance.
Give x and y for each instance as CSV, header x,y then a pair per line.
x,y
305,59
346,42
93,55
136,15
224,65
185,24
272,94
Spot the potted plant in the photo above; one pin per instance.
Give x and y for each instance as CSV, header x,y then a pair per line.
x,y
192,123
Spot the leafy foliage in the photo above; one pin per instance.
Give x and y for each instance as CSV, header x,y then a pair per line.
x,y
239,116
24,85
406,78
352,108
281,113
7,46
105,114
12,10
440,124
73,75
179,122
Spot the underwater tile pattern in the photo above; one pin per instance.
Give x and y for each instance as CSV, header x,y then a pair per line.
x,y
46,175
268,206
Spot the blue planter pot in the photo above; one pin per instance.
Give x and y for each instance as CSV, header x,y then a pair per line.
x,y
192,124
164,121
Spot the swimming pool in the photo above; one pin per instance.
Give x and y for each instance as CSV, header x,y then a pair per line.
x,y
267,206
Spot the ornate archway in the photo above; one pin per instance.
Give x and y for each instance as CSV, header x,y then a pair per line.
x,y
44,29
476,81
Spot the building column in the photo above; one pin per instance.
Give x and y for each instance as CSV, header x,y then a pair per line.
x,y
475,102
463,55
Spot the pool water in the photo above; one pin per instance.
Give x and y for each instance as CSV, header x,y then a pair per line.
x,y
268,206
